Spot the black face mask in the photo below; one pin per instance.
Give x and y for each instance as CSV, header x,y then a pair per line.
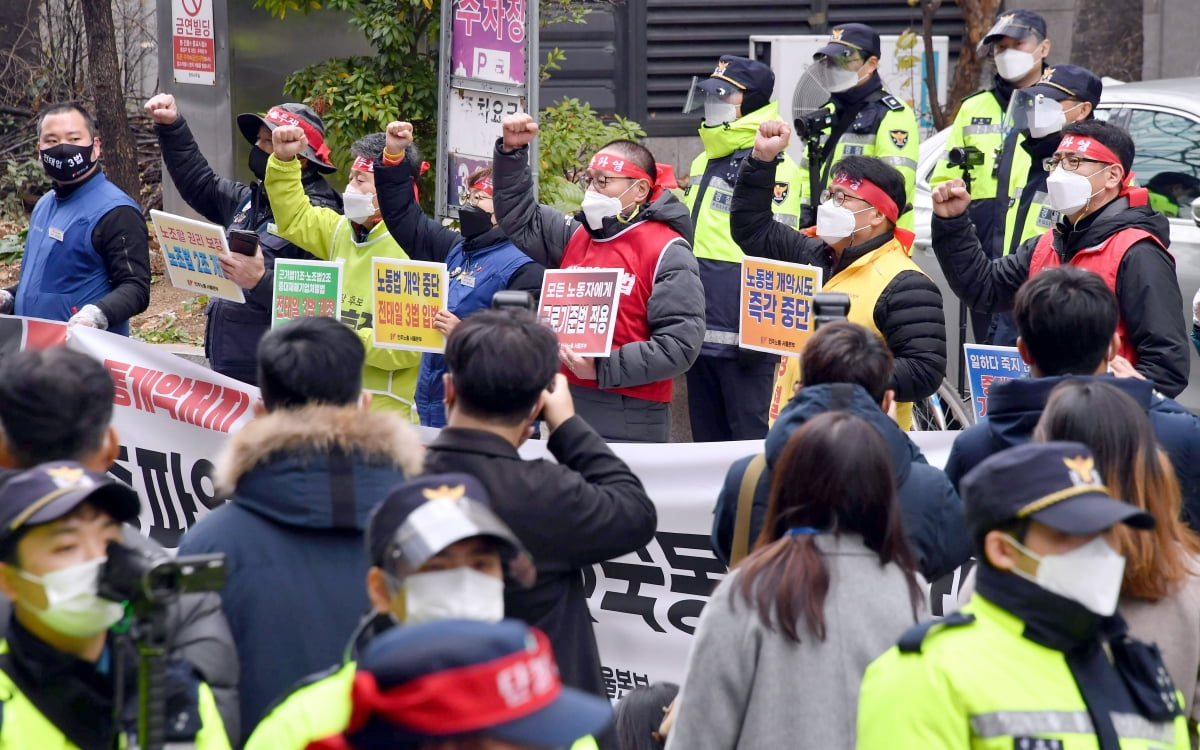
x,y
258,162
474,221
67,162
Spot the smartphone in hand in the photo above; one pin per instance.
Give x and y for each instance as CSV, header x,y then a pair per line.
x,y
242,241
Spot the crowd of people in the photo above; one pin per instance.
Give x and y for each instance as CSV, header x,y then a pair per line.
x,y
380,593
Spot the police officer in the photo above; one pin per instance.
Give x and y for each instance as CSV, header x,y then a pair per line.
x,y
1038,658
867,120
1037,116
729,387
1018,42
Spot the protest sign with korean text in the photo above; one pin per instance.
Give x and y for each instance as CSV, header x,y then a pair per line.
x,y
777,305
406,296
988,365
306,289
581,306
190,249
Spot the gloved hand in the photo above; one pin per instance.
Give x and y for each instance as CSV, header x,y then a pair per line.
x,y
1195,308
90,316
7,302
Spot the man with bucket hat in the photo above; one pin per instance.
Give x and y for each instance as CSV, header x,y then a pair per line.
x,y
729,387
233,330
1038,658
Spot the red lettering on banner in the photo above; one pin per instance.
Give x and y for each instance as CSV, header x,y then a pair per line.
x,y
118,371
195,402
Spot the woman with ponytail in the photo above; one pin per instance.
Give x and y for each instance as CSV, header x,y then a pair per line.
x,y
831,584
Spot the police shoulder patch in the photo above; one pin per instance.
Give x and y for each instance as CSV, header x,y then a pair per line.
x,y
899,138
780,193
892,103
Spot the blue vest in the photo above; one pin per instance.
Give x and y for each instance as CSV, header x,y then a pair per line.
x,y
61,271
474,279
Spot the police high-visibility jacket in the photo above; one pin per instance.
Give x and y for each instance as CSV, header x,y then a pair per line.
x,y
982,684
708,197
319,709
23,725
882,126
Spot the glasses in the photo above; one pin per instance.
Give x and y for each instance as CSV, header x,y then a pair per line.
x,y
467,198
1069,162
838,198
601,180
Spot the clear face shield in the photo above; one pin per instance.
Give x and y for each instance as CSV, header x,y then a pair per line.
x,y
719,100
836,73
1037,114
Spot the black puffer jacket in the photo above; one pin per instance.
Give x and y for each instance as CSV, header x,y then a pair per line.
x,y
909,311
231,337
1147,288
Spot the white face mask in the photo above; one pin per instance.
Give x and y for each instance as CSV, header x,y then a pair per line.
x,y
1090,575
597,206
836,223
718,112
359,207
73,607
1014,64
1070,191
456,594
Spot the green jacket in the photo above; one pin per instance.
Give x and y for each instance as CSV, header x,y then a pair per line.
x,y
390,375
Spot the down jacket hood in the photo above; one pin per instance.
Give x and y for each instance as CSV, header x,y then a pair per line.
x,y
318,466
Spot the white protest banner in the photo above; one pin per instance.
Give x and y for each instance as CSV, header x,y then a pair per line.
x,y
190,249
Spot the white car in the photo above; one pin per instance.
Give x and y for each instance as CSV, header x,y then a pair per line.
x,y
1163,117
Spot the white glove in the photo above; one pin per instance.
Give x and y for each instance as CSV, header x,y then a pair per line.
x,y
7,303
1195,308
90,316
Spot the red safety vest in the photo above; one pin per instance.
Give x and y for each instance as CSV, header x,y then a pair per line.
x,y
1104,260
637,251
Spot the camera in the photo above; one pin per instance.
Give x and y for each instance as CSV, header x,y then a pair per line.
x,y
146,580
965,157
507,299
811,124
830,306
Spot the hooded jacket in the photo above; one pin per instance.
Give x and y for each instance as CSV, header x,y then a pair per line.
x,y
932,511
233,330
1147,288
675,309
1015,406
303,483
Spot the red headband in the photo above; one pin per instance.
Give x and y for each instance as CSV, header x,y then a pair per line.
x,y
281,116
619,165
463,699
1089,147
484,185
363,164
871,193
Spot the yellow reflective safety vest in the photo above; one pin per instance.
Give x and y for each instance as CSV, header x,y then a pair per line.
x,y
982,685
886,129
24,727
863,280
319,709
1164,204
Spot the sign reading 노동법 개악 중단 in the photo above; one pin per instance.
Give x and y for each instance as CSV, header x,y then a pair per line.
x,y
407,294
190,249
777,305
305,289
580,304
193,42
988,365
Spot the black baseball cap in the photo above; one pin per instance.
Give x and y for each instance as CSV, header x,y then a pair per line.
x,y
1054,483
848,38
299,115
741,74
1068,82
1016,24
421,517
50,491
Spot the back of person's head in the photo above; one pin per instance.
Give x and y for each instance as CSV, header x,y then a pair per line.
x,y
886,177
845,352
834,477
499,362
1117,140
1135,470
310,361
369,147
640,714
55,404
1066,318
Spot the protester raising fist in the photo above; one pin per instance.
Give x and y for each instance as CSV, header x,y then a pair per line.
x,y
519,130
289,142
772,139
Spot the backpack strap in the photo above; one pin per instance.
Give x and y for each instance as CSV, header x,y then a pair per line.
x,y
745,504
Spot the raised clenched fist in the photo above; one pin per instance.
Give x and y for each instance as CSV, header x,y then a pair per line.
x,y
519,130
162,109
399,136
951,199
289,140
771,139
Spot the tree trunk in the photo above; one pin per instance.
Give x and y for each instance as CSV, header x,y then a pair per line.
x,y
978,16
19,50
1108,38
120,156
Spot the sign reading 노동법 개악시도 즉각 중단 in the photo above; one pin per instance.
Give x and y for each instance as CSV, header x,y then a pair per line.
x,y
488,59
777,305
580,304
988,365
190,249
406,295
305,289
193,42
